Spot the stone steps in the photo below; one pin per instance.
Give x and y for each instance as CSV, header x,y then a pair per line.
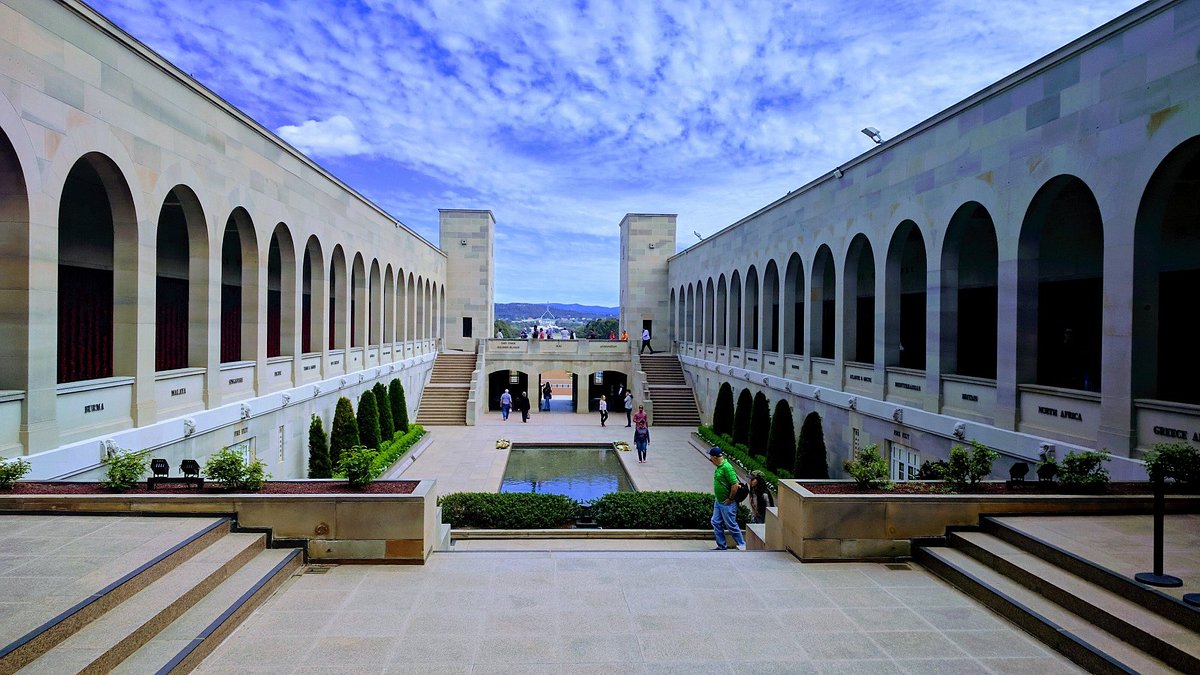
x,y
674,400
444,399
1068,606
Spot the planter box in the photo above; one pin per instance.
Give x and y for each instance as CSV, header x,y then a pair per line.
x,y
374,528
821,527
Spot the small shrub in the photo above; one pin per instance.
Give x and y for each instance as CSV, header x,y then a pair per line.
x,y
125,470
811,461
231,469
12,470
399,406
966,468
356,465
344,434
368,421
319,465
781,442
933,470
723,410
1084,471
387,426
760,423
508,510
868,468
1178,461
669,510
741,417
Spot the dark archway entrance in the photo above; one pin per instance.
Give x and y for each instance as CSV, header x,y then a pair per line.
x,y
612,384
515,381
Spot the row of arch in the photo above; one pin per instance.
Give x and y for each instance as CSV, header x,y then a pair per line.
x,y
882,312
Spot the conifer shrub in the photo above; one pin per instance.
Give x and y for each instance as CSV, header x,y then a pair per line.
x,y
781,442
368,421
344,434
387,427
811,460
723,410
399,406
760,423
124,470
741,417
319,464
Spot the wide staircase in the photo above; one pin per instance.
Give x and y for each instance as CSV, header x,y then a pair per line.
x,y
1103,621
153,606
674,401
444,400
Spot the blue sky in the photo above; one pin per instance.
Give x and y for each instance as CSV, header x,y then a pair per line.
x,y
562,116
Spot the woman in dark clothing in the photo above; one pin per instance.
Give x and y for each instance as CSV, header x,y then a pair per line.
x,y
522,404
760,497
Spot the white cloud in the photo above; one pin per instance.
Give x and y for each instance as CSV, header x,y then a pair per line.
x,y
335,137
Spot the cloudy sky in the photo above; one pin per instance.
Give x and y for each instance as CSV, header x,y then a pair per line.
x,y
563,115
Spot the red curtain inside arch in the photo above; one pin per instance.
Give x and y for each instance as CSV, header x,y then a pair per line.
x,y
171,324
85,323
231,323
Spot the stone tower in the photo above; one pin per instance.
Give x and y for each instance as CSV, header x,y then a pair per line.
x,y
647,241
468,239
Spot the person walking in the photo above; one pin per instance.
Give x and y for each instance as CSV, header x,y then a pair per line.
x,y
505,404
640,419
641,439
760,497
646,342
724,505
603,410
523,406
628,409
546,395
624,335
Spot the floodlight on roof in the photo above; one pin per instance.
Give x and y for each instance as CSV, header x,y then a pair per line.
x,y
873,134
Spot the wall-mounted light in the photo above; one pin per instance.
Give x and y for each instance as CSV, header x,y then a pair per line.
x,y
462,242
873,134
651,244
837,172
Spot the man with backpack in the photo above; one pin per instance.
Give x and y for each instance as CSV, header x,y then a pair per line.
x,y
725,501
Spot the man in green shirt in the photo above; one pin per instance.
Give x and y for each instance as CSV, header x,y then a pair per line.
x,y
724,505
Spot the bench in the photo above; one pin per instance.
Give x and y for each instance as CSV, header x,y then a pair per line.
x,y
190,469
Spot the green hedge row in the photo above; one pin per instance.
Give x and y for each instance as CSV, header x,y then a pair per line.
x,y
616,510
740,455
392,451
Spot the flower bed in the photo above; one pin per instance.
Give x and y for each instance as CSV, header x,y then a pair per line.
x,y
287,487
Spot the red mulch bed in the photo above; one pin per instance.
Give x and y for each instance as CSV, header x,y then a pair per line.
x,y
989,488
383,487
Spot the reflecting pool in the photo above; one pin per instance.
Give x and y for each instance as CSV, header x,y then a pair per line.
x,y
582,473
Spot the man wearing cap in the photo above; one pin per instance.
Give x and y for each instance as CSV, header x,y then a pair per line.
x,y
724,505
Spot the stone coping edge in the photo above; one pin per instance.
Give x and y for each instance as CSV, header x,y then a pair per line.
x,y
580,533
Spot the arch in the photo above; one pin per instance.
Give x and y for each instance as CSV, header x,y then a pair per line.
x,y
389,305
681,319
823,304
672,312
793,305
97,272
338,299
515,381
421,301
1060,263
358,301
721,313
239,288
1166,274
770,313
905,282
710,305
858,306
735,308
690,334
14,279
281,293
181,282
752,308
410,332
375,305
313,315
969,293
698,327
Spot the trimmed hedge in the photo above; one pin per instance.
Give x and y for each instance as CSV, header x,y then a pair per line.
x,y
741,417
387,427
723,410
508,510
781,442
368,421
391,451
740,455
811,460
760,424
668,510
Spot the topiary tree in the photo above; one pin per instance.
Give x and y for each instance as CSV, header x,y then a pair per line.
x,y
344,434
399,407
810,449
319,464
722,422
387,428
368,420
760,424
781,442
741,417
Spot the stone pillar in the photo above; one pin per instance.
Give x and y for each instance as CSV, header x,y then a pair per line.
x,y
468,239
647,242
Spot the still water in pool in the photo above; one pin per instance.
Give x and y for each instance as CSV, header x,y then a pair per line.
x,y
580,473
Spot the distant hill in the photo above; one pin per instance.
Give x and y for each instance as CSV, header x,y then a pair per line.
x,y
512,311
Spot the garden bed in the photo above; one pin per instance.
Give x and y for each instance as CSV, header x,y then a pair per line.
x,y
284,487
984,488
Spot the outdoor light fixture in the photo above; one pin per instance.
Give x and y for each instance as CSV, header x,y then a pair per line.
x,y
837,172
873,134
